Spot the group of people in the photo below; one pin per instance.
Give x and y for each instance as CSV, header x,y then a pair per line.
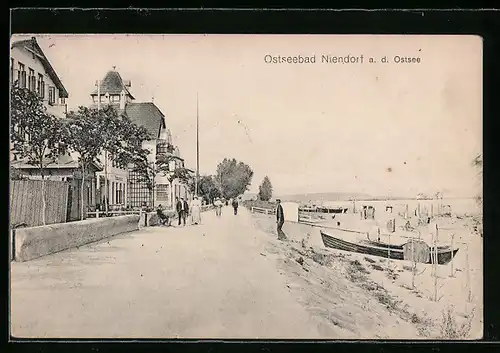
x,y
184,210
219,203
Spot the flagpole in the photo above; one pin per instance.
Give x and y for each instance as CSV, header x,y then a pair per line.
x,y
197,146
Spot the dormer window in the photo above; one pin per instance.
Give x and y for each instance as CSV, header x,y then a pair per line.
x,y
115,98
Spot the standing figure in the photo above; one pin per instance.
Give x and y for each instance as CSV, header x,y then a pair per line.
x,y
235,206
196,211
280,219
218,207
181,207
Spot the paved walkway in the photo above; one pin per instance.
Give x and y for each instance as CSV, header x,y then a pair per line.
x,y
205,281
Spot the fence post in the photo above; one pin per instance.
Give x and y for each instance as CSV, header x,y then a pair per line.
x,y
451,254
13,245
469,296
435,269
414,264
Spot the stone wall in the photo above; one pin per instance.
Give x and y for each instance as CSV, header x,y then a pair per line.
x,y
31,243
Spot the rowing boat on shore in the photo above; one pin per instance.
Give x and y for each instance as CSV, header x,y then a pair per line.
x,y
395,252
397,246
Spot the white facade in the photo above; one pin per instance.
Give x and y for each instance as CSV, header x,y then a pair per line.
x,y
24,60
117,182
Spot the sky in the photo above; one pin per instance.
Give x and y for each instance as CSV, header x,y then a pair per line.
x,y
393,129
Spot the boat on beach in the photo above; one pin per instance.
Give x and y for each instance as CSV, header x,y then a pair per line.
x,y
395,252
323,209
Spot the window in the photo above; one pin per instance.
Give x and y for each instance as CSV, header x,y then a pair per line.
x,y
41,86
52,95
138,192
115,98
162,193
117,199
21,76
31,80
63,100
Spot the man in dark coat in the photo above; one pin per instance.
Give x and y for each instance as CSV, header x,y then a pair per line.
x,y
181,207
186,210
235,206
280,219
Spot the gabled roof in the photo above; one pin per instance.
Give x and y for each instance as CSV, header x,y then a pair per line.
x,y
147,115
112,84
32,46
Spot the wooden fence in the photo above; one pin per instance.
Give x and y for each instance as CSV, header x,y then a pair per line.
x,y
26,202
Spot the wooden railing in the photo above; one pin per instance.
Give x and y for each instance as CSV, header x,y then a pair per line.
x,y
263,210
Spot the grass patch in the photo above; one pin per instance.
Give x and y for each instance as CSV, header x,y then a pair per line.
x,y
356,265
451,329
392,275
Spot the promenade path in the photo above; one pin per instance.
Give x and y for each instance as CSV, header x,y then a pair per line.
x,y
205,281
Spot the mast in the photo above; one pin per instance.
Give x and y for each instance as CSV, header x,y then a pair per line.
x,y
197,146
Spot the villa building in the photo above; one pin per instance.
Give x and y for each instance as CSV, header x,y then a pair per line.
x,y
124,186
31,69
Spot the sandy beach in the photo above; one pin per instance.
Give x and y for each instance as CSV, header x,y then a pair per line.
x,y
372,298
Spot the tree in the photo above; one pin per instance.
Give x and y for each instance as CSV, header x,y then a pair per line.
x,y
35,134
166,165
233,177
84,135
265,189
208,188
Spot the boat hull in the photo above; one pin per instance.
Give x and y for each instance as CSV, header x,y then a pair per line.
x,y
395,252
339,244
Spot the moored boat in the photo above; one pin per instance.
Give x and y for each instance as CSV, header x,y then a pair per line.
x,y
396,252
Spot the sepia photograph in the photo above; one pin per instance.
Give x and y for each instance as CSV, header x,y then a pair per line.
x,y
217,186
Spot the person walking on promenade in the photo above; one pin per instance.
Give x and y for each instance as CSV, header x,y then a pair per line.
x,y
218,207
196,211
280,219
235,206
182,209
